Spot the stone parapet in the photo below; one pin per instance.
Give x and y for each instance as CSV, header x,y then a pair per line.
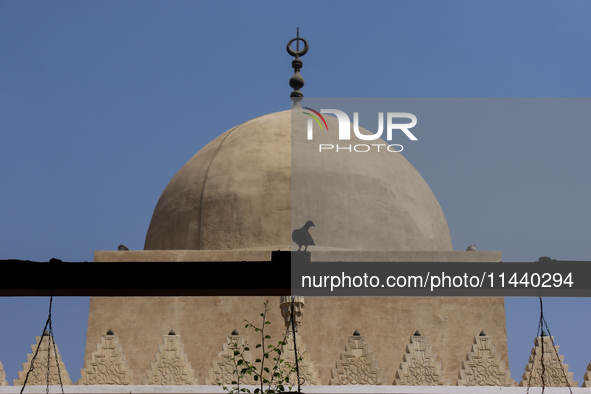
x,y
374,389
319,254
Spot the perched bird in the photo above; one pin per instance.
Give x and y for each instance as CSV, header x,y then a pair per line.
x,y
471,248
122,247
302,237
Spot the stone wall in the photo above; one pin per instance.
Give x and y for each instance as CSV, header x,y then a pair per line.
x,y
344,341
386,323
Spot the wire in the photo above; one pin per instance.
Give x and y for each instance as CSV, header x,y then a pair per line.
x,y
542,324
50,341
295,350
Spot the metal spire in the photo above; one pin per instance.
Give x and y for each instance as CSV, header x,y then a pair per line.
x,y
296,81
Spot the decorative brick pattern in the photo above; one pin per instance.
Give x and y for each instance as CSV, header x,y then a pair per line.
x,y
107,364
40,375
224,369
483,366
308,371
419,367
587,377
555,371
172,366
3,381
357,365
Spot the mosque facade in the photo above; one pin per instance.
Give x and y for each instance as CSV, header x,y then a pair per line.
x,y
239,199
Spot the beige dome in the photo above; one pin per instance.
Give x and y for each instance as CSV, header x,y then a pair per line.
x,y
238,192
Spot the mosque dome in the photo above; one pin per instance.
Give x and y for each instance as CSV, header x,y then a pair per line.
x,y
251,187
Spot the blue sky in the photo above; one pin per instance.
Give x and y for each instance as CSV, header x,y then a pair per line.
x,y
102,102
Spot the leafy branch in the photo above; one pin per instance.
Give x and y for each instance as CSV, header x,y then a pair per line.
x,y
276,378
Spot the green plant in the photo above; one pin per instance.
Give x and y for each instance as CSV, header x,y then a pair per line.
x,y
275,378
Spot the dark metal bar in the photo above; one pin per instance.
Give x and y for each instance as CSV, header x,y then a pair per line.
x,y
260,278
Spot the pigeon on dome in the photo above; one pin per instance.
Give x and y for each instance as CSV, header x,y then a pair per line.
x,y
302,237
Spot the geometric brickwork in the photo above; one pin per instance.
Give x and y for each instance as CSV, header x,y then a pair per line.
x,y
308,372
556,372
172,366
39,375
224,368
483,366
3,381
587,377
419,367
107,364
357,365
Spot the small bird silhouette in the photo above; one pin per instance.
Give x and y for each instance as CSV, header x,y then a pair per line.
x,y
471,248
302,237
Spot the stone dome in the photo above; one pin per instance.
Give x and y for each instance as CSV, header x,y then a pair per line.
x,y
251,187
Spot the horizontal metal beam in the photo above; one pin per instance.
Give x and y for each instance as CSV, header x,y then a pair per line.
x,y
288,272
258,278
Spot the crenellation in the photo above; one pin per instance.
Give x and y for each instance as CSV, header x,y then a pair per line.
x,y
419,367
3,381
41,373
172,365
356,365
483,365
225,366
555,372
107,364
307,369
587,377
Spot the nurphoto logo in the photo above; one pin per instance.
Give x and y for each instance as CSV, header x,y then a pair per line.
x,y
345,130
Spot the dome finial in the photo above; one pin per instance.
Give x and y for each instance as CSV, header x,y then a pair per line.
x,y
296,81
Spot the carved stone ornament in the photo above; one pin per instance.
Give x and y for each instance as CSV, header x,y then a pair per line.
x,y
555,371
3,381
39,375
357,365
483,366
419,367
172,366
224,368
107,364
587,377
308,371
298,311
